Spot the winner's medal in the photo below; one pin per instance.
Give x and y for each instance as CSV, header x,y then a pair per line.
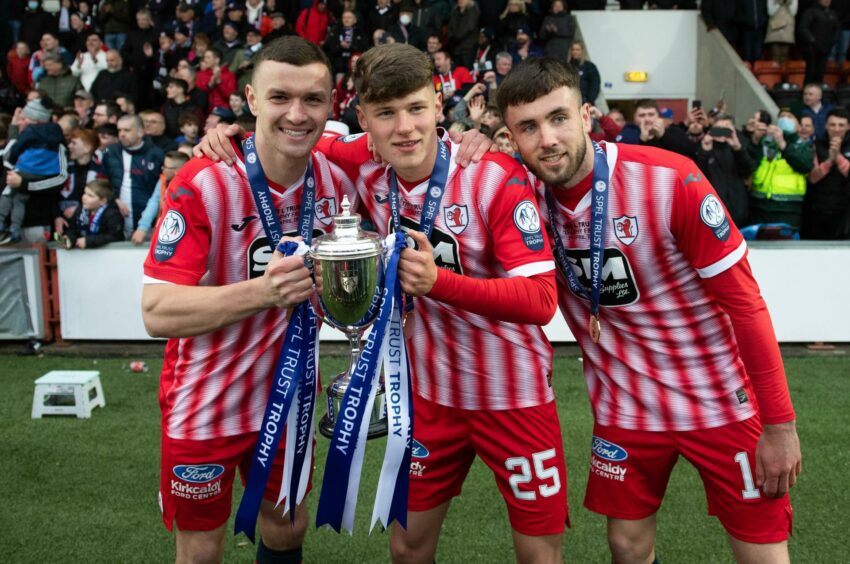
x,y
594,328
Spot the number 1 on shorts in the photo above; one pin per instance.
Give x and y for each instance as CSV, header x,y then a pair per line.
x,y
749,491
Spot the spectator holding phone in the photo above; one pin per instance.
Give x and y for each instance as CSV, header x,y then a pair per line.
x,y
725,163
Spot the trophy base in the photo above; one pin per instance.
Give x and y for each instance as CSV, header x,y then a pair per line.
x,y
376,430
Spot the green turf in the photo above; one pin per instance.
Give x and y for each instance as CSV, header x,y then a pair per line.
x,y
85,490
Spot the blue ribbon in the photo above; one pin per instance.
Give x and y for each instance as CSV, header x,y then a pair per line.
x,y
436,189
93,225
299,344
598,222
342,468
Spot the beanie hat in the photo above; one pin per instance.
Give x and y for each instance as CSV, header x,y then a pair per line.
x,y
35,111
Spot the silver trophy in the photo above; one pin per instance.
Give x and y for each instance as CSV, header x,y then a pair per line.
x,y
349,262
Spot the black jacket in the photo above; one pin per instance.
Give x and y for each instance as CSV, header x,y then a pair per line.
x,y
107,85
818,28
557,43
726,170
831,194
751,14
110,228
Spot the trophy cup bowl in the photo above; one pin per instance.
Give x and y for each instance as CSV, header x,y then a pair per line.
x,y
349,264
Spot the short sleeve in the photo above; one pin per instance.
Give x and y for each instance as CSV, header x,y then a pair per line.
x,y
701,224
181,244
514,220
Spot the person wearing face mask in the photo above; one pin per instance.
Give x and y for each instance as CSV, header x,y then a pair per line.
x,y
405,31
779,182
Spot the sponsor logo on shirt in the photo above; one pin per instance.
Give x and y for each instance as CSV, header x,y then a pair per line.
x,y
626,229
527,220
350,138
446,247
619,287
245,221
260,253
418,450
691,178
171,230
180,191
456,218
712,215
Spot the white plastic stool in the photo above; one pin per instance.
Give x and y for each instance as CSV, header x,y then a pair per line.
x,y
82,385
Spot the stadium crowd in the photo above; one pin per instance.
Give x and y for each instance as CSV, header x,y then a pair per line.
x,y
121,90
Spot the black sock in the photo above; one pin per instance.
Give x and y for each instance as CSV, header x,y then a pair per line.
x,y
266,555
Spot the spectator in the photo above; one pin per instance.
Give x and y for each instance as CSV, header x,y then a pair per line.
x,y
779,182
424,17
827,199
216,79
696,124
839,50
617,117
813,106
174,161
107,134
35,22
230,43
557,31
17,67
780,28
807,129
608,128
114,17
49,45
504,64
74,39
113,79
728,167
648,129
818,31
381,16
589,79
90,62
153,124
404,30
125,103
313,22
238,104
200,44
485,56
164,60
463,32
190,126
212,19
132,167
256,17
83,106
106,112
217,116
752,24
280,27
514,18
182,41
524,47
198,97
345,38
140,37
186,20
177,104
81,170
449,79
67,122
432,45
58,83
99,221
35,160
235,13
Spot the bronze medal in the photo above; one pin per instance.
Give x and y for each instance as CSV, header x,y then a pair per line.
x,y
594,328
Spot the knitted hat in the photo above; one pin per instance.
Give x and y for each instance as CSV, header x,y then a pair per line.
x,y
35,111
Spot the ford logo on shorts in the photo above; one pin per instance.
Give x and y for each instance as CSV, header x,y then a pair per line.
x,y
418,450
198,473
608,451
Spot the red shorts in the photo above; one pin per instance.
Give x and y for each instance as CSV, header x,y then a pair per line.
x,y
629,471
196,479
523,448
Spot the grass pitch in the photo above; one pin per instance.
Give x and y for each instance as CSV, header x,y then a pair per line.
x,y
85,490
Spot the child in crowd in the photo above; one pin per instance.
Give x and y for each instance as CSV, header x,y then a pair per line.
x,y
99,221
33,157
189,127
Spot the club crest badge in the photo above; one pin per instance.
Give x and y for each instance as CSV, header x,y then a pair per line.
x,y
456,218
325,210
626,229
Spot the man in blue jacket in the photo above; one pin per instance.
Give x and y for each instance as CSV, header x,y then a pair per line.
x,y
132,167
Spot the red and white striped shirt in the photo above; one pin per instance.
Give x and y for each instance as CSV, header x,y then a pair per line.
x,y
462,359
217,384
667,358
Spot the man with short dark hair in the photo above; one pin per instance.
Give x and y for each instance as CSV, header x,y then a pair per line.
x,y
448,78
153,124
678,345
105,112
177,104
132,167
58,82
216,79
827,201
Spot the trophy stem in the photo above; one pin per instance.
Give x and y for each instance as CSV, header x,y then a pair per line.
x,y
354,345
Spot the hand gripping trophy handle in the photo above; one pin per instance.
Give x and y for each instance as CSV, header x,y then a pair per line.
x,y
348,264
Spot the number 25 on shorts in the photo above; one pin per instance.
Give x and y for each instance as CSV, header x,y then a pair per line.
x,y
522,475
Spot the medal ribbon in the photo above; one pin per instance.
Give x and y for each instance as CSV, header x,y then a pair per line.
x,y
295,370
92,224
338,499
598,222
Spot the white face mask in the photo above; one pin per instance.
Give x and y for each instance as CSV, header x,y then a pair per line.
x,y
405,19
